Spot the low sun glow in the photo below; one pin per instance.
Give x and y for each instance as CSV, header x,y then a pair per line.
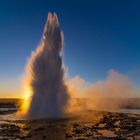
x,y
26,101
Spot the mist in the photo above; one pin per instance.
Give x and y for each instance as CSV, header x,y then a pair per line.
x,y
113,93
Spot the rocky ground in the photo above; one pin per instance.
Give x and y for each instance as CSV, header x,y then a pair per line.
x,y
92,125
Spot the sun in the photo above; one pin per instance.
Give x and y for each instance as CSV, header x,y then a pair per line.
x,y
25,104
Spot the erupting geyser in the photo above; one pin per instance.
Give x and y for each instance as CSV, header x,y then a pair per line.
x,y
45,74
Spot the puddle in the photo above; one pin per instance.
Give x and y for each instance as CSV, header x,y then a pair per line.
x,y
107,133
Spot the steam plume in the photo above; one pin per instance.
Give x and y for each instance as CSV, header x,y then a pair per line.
x,y
45,74
109,94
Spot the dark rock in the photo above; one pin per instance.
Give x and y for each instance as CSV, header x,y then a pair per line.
x,y
39,129
68,135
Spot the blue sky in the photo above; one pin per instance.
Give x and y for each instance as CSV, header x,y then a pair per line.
x,y
99,35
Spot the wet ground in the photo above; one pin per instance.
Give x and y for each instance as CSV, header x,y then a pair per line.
x,y
92,125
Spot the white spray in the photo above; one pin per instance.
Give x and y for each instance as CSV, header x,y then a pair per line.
x,y
45,74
